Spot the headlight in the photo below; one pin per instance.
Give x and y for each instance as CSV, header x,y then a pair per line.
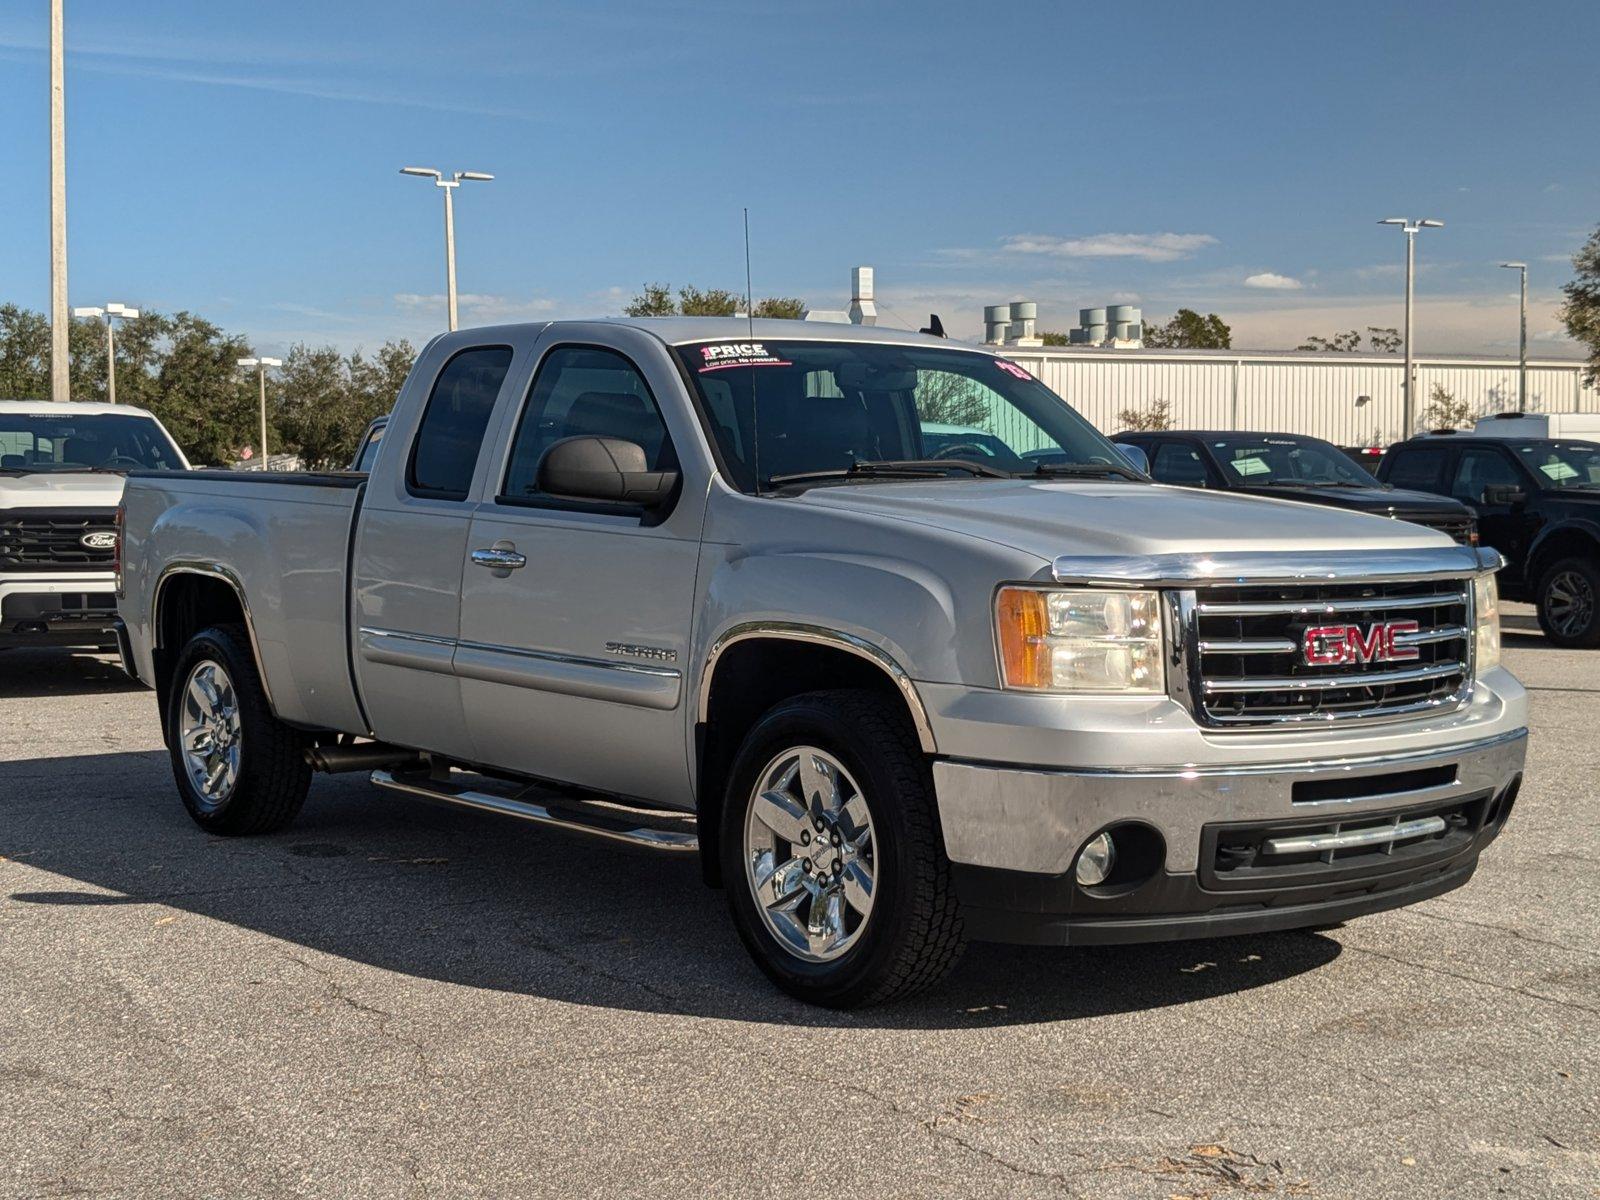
x,y
1054,640
1486,612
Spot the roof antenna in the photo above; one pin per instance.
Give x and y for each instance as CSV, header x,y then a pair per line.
x,y
934,326
750,316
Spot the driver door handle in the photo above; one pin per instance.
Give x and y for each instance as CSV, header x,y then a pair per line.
x,y
499,559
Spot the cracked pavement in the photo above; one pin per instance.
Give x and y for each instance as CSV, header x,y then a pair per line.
x,y
391,999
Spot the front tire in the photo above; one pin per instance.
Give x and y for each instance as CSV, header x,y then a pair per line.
x,y
1569,603
239,769
832,853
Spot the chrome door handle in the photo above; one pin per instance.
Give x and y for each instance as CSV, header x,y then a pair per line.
x,y
499,560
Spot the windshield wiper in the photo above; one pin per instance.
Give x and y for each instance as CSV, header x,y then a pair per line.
x,y
1088,471
904,468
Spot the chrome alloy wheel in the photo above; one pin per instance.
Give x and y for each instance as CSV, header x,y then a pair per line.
x,y
809,856
209,731
1569,603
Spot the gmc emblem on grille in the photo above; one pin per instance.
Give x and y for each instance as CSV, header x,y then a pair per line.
x,y
1341,645
98,541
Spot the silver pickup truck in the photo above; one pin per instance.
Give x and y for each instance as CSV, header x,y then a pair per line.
x,y
715,585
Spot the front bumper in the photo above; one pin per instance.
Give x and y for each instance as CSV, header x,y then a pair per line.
x,y
66,611
1014,835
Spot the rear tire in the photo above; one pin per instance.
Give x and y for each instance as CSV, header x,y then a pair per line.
x,y
239,769
832,854
1569,603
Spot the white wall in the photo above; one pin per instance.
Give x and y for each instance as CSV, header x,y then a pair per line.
x,y
1312,393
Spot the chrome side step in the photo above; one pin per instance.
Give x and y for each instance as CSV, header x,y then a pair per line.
x,y
596,819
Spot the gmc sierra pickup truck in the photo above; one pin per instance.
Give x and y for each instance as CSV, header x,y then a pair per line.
x,y
61,469
707,585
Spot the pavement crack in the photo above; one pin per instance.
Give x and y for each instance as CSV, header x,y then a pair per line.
x,y
1506,929
1499,987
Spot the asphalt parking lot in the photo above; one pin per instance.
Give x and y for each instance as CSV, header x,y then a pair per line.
x,y
391,999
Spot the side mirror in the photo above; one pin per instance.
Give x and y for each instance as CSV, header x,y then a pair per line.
x,y
1508,494
605,470
1137,458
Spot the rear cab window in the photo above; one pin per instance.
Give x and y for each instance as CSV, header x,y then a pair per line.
x,y
450,435
1419,468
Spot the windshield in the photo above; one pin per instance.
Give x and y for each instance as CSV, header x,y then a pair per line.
x,y
793,408
1568,465
1257,461
32,443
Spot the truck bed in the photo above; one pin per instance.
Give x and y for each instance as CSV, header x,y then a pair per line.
x,y
283,539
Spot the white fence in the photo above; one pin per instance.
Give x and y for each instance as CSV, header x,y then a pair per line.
x,y
1351,399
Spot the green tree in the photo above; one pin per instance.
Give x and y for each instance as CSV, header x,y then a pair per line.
x,y
1157,416
1581,312
1188,330
1384,339
1380,340
1052,338
24,354
200,394
657,300
1444,411
322,401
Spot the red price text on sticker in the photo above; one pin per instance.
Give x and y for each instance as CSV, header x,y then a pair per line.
x,y
1011,369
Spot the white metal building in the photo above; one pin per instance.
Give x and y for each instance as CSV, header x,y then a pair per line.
x,y
1351,399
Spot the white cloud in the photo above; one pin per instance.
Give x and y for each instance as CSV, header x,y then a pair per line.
x,y
1272,282
1151,247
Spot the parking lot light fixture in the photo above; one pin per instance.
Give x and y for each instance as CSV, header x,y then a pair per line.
x,y
112,312
1522,341
1410,227
261,364
449,185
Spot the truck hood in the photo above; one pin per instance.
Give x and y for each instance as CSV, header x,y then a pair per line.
x,y
1054,518
1385,502
60,489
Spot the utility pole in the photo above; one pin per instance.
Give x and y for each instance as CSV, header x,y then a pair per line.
x,y
449,186
1522,345
110,312
261,365
1408,420
60,379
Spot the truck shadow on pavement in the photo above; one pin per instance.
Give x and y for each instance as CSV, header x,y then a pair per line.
x,y
485,903
30,674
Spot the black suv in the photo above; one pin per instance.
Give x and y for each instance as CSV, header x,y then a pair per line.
x,y
1288,466
1538,503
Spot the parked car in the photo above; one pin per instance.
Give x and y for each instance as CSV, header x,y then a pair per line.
x,y
61,469
1368,458
1537,502
1292,467
705,576
367,451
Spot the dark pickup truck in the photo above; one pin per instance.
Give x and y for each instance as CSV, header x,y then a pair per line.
x,y
1537,501
1288,466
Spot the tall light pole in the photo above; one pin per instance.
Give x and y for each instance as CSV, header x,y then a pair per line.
x,y
111,312
60,379
449,186
261,365
1522,346
1410,228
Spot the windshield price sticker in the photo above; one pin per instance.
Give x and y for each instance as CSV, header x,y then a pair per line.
x,y
1250,466
1559,470
722,355
1011,368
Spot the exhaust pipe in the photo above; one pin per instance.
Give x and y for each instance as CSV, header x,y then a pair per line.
x,y
369,756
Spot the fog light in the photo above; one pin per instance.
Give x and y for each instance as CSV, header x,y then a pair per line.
x,y
1096,859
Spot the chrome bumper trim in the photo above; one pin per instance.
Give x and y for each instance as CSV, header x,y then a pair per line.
x,y
1397,831
1271,566
1035,819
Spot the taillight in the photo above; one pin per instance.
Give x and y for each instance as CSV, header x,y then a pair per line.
x,y
119,521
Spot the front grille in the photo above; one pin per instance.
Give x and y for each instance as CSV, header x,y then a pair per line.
x,y
1248,667
52,539
1463,530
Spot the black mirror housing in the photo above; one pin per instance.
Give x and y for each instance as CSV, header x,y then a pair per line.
x,y
1504,493
603,470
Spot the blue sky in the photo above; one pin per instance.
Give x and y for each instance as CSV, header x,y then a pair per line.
x,y
241,161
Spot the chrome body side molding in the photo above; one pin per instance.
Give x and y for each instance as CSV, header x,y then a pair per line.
x,y
818,635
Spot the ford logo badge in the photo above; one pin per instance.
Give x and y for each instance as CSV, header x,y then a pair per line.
x,y
99,541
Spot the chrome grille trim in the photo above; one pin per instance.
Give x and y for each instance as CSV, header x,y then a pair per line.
x,y
1235,657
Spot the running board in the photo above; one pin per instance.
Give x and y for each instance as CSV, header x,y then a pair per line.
x,y
596,819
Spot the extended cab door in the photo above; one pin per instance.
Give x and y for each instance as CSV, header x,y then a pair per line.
x,y
576,618
409,546
1481,473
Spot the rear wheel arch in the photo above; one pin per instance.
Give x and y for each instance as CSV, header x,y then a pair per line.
x,y
187,600
750,670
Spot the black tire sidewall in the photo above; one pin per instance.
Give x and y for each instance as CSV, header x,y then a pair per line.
x,y
812,722
1590,636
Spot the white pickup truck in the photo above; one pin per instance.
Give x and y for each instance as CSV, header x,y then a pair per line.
x,y
875,622
61,471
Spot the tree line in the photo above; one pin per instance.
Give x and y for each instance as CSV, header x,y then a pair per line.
x,y
185,370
